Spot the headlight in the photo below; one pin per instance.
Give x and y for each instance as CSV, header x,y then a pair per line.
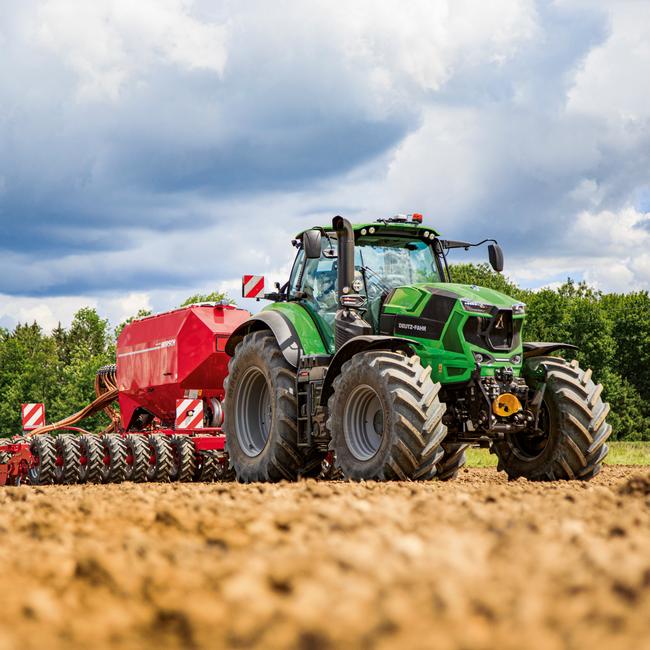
x,y
477,307
518,309
516,360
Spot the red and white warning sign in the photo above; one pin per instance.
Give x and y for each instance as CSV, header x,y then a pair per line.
x,y
189,413
33,416
252,286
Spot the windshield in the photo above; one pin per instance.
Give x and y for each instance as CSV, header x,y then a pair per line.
x,y
396,261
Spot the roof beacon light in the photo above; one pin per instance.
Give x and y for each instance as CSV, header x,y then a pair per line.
x,y
416,217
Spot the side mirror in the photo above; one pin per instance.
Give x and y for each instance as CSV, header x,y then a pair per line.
x,y
496,257
311,244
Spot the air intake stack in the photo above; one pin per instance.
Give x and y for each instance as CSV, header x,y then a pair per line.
x,y
349,320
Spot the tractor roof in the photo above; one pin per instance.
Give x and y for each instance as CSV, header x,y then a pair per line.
x,y
407,228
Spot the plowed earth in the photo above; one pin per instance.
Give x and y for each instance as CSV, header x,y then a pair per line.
x,y
474,563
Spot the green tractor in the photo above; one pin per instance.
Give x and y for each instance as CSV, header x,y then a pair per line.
x,y
372,364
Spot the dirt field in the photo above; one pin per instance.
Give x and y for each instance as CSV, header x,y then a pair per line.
x,y
476,563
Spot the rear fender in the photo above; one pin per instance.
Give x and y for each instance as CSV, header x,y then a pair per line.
x,y
280,325
363,343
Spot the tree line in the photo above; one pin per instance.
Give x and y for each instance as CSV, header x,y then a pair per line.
x,y
611,330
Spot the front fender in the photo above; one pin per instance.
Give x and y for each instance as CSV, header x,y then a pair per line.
x,y
363,343
537,349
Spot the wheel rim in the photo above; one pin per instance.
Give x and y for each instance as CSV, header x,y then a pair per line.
x,y
363,422
527,446
254,413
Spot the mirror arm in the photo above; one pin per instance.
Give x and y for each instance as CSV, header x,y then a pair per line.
x,y
450,243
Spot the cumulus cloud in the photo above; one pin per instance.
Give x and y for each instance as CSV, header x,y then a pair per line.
x,y
162,148
109,43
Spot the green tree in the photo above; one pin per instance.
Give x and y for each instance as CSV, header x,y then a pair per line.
x,y
28,372
215,296
482,275
631,329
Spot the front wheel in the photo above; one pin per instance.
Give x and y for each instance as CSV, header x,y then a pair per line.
x,y
385,418
572,431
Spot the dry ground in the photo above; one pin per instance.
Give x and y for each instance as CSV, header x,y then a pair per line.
x,y
475,563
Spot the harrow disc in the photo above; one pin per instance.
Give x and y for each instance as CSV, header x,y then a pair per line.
x,y
114,458
207,467
91,458
44,453
5,455
160,458
183,458
137,458
68,453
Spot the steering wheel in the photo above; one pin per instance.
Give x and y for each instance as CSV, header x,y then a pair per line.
x,y
375,286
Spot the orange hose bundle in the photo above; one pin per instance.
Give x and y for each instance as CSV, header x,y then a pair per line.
x,y
102,402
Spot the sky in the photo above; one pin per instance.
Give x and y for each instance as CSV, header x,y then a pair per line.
x,y
155,149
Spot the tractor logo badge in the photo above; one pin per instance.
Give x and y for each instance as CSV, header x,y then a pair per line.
x,y
499,325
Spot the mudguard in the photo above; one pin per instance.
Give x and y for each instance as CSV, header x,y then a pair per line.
x,y
537,349
363,343
280,325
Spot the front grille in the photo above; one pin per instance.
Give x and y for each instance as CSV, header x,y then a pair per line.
x,y
501,332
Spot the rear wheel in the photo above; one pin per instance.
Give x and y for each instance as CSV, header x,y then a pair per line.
x,y
385,418
68,454
261,412
44,453
570,440
452,461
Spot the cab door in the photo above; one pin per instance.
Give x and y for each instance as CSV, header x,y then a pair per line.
x,y
313,283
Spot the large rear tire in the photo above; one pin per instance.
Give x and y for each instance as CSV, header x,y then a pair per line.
x,y
451,457
452,461
261,412
572,422
385,418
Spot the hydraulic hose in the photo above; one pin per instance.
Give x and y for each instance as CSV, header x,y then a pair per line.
x,y
106,391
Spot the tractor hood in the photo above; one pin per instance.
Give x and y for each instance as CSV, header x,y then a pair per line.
x,y
428,310
412,299
474,293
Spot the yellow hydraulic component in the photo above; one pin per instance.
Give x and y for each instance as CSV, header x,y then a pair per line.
x,y
506,405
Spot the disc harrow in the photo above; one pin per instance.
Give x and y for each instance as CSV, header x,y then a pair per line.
x,y
69,459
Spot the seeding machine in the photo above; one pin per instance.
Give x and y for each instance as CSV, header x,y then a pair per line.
x,y
369,363
168,381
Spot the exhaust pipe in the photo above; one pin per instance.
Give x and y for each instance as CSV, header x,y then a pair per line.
x,y
345,236
348,322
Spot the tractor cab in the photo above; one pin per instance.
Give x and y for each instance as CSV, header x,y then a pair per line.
x,y
388,254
